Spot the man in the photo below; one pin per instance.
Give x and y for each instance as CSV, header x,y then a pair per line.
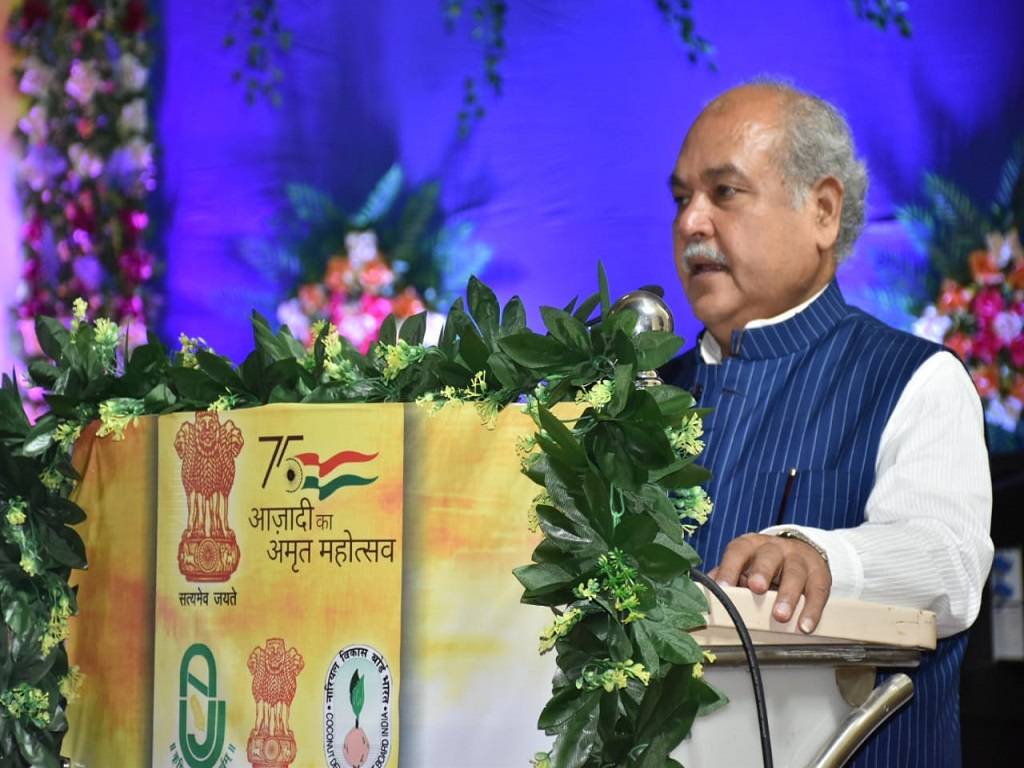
x,y
848,458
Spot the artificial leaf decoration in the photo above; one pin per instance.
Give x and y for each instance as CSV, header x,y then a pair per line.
x,y
616,466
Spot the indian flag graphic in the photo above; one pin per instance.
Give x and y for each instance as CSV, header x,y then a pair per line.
x,y
328,475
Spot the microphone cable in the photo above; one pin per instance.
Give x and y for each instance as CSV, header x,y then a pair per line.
x,y
752,666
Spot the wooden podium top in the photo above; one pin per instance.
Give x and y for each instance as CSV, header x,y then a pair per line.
x,y
843,622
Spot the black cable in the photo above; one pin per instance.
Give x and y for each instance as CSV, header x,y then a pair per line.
x,y
752,665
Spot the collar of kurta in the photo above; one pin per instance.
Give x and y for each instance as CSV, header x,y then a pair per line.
x,y
792,334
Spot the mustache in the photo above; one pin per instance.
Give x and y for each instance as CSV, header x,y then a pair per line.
x,y
704,251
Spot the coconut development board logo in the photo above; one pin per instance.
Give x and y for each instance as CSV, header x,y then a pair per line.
x,y
357,709
201,729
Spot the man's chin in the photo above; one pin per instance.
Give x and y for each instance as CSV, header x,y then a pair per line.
x,y
713,305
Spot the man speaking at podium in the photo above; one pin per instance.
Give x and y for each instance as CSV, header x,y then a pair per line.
x,y
848,458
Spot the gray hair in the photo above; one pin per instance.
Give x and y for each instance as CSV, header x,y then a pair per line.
x,y
818,143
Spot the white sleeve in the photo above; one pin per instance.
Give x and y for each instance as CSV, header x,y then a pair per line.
x,y
925,538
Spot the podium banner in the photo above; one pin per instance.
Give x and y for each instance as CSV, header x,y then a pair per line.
x,y
438,604
279,587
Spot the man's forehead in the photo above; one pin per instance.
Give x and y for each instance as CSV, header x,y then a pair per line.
x,y
741,129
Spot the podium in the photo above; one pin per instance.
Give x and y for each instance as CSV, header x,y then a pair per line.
x,y
468,681
820,689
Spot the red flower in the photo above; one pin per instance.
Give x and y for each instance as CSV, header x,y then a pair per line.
x,y
407,303
81,13
986,346
1017,352
33,12
984,267
1017,388
85,127
134,20
987,304
953,298
986,380
960,344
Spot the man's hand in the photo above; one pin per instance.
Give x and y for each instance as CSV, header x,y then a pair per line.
x,y
759,562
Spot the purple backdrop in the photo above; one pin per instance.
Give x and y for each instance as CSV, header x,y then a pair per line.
x,y
569,165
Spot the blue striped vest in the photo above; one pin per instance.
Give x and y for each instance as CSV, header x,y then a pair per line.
x,y
814,393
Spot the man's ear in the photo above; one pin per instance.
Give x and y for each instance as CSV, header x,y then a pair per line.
x,y
826,199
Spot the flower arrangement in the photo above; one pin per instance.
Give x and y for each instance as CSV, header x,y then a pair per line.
x,y
619,494
355,271
87,164
978,278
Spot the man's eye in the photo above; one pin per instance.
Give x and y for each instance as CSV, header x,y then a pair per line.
x,y
725,192
681,200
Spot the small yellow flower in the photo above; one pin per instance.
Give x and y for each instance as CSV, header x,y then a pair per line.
x,y
225,402
541,760
57,626
488,409
29,564
117,414
52,479
398,357
189,346
560,627
588,591
78,309
66,434
105,334
697,671
598,396
16,509
28,704
686,440
612,675
71,684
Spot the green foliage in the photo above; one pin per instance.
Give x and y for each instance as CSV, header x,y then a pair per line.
x,y
882,13
613,562
263,43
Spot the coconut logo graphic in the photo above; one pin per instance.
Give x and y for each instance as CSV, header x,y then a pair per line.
x,y
357,709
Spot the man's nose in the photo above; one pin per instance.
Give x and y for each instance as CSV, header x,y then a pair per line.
x,y
694,221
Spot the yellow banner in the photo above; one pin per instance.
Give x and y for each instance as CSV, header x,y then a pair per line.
x,y
112,639
279,587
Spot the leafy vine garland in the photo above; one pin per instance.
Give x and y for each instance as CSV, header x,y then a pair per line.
x,y
620,491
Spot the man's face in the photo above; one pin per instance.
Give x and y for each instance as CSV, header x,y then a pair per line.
x,y
730,199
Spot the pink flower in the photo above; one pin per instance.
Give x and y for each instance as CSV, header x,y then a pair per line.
x,y
35,124
988,303
139,220
83,82
290,313
37,77
376,307
128,306
29,342
86,164
1007,326
361,329
135,332
136,265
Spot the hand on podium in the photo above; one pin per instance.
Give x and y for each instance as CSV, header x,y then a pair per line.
x,y
759,562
